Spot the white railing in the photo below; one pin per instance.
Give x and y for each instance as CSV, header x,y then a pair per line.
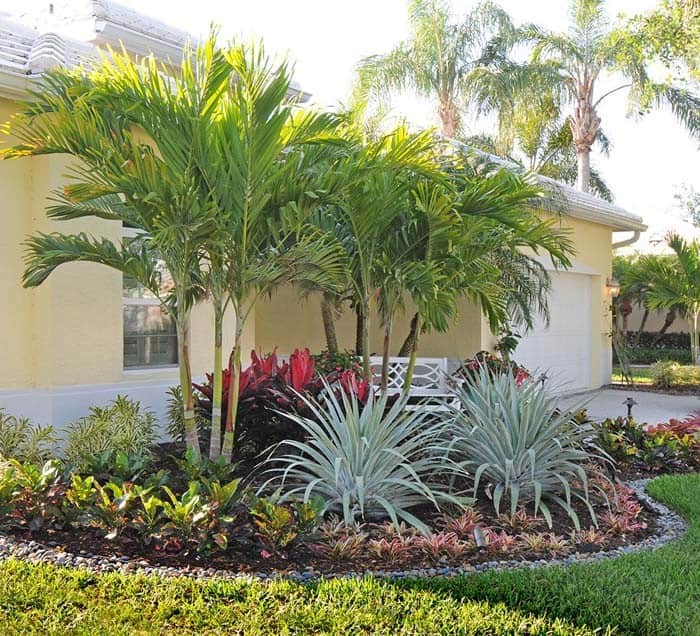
x,y
429,375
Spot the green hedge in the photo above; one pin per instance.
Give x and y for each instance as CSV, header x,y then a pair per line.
x,y
648,355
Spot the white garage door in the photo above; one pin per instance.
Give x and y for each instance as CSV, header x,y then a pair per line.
x,y
562,350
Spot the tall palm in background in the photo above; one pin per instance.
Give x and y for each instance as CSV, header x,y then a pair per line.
x,y
441,58
537,136
573,64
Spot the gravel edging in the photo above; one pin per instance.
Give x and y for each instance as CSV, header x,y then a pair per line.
x,y
672,526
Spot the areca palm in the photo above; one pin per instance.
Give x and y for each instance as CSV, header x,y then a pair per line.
x,y
441,57
675,282
573,64
132,128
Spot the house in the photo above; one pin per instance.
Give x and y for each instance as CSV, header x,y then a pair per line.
x,y
86,335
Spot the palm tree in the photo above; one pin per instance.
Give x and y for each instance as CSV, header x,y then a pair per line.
x,y
537,137
484,260
573,63
246,156
441,57
675,283
133,130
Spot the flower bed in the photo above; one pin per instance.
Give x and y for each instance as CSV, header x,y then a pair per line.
x,y
101,556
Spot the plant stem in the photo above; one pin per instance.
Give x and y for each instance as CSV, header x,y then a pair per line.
x,y
412,361
215,439
327,315
235,370
385,356
191,437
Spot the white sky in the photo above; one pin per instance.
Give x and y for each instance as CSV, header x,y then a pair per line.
x,y
649,159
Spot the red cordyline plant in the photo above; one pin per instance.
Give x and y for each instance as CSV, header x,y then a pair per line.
x,y
268,386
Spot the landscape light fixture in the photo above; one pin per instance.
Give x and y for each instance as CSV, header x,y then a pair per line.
x,y
629,403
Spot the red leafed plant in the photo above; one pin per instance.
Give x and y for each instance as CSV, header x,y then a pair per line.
x,y
268,387
689,426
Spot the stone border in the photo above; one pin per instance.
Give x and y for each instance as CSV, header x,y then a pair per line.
x,y
672,526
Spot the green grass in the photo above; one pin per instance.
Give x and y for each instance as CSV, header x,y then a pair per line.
x,y
640,375
647,593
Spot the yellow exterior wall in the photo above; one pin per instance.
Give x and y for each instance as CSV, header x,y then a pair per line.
x,y
69,330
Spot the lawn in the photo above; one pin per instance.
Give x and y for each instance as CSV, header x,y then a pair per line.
x,y
647,593
641,375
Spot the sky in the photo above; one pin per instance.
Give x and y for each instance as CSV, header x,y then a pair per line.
x,y
650,156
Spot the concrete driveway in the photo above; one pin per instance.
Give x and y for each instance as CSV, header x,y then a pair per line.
x,y
652,408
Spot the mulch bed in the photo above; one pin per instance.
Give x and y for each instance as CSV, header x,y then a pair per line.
x,y
245,554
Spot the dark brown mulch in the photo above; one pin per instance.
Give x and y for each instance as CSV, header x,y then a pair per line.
x,y
246,554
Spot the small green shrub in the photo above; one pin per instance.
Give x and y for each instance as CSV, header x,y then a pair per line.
x,y
519,446
24,441
123,426
665,447
669,375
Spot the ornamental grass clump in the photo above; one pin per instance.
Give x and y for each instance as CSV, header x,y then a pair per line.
x,y
367,462
520,448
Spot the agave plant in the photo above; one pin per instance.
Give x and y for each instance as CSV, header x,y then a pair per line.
x,y
519,446
366,461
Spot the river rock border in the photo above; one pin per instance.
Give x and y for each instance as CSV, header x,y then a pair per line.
x,y
671,527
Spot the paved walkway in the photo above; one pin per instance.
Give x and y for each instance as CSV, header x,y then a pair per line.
x,y
651,408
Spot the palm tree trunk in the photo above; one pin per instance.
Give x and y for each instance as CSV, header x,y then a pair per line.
x,y
366,363
359,328
407,345
643,324
585,125
234,366
412,361
584,170
328,317
449,116
695,337
191,437
385,356
668,321
215,439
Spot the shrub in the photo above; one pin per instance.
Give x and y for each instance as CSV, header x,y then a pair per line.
x,y
122,426
30,496
328,363
484,361
519,446
268,388
650,355
24,441
668,375
673,446
365,461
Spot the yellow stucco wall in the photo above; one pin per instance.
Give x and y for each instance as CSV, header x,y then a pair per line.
x,y
69,330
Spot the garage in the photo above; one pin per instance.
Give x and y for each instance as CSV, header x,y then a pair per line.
x,y
562,350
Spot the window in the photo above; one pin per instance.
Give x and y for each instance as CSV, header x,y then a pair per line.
x,y
150,338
